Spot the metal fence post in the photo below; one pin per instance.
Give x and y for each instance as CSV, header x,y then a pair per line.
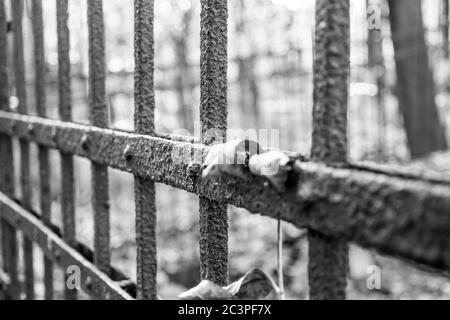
x,y
213,119
65,114
328,257
44,165
99,118
145,124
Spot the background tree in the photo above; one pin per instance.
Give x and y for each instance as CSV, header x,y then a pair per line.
x,y
183,77
249,96
415,83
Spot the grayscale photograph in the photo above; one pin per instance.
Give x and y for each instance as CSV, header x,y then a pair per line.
x,y
227,151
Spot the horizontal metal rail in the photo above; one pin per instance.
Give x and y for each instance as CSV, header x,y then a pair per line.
x,y
58,251
392,211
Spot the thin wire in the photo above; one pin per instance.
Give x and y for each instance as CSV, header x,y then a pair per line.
x,y
281,293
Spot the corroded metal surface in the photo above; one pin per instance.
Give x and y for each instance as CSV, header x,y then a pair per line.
x,y
331,80
44,165
7,181
99,117
403,216
65,114
25,182
385,208
64,82
145,124
9,234
57,250
327,267
399,216
213,121
328,256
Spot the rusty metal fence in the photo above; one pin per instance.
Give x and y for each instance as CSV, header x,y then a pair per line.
x,y
388,209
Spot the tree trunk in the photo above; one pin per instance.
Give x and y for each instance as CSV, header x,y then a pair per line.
x,y
249,97
415,84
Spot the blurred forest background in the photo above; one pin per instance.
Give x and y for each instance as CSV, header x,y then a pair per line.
x,y
270,87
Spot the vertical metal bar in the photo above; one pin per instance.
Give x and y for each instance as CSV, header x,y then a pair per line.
x,y
20,85
213,119
9,233
99,118
65,113
328,257
7,181
44,166
145,124
445,27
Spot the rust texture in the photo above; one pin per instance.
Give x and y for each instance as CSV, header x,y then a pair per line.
x,y
7,181
94,282
145,124
331,76
214,65
44,165
65,92
388,209
213,121
402,215
9,233
100,118
116,276
65,114
327,267
384,209
328,257
25,183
